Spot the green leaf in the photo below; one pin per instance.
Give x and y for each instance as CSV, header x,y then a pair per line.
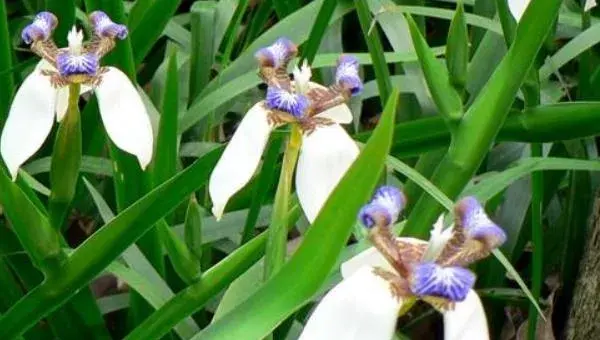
x,y
195,296
496,183
569,51
90,259
40,241
156,298
457,49
202,21
371,36
263,185
140,275
290,288
65,12
6,76
318,30
151,26
165,156
444,95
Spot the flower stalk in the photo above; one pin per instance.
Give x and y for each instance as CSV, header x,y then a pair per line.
x,y
66,160
277,239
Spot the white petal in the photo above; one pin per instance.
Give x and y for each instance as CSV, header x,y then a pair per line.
x,y
467,320
517,8
45,66
360,307
124,115
29,121
589,4
371,258
325,156
62,100
340,114
240,159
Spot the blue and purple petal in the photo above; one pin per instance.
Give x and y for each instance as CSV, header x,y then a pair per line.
x,y
451,283
346,74
384,208
282,100
40,29
276,54
103,26
472,217
68,64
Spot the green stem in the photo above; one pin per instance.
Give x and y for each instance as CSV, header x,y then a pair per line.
x,y
66,160
277,241
477,131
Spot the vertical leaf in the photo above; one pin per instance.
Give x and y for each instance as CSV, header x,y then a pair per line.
x,y
371,36
165,159
318,29
65,12
457,49
202,21
445,96
6,76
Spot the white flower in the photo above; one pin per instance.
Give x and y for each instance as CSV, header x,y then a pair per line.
x,y
362,306
385,280
326,151
517,7
44,94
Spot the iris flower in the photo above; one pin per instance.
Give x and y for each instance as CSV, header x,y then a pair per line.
x,y
385,281
517,7
44,93
326,151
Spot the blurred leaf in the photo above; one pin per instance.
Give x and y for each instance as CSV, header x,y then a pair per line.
x,y
318,30
371,36
151,26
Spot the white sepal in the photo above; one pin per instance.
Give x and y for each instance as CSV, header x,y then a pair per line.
x,y
325,156
29,121
124,115
360,307
467,320
240,158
